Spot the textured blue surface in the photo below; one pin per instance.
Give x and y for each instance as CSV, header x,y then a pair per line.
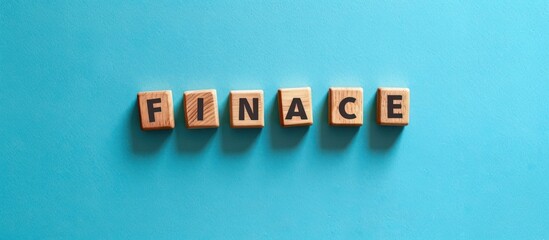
x,y
472,164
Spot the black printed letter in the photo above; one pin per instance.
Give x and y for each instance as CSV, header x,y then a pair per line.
x,y
200,109
296,103
243,103
342,108
152,109
391,106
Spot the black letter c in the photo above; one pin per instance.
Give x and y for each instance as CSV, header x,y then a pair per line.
x,y
342,111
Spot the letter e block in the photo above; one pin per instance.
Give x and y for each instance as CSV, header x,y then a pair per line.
x,y
156,110
247,109
393,106
201,109
295,107
345,107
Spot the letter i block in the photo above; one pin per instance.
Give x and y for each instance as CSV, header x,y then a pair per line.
x,y
393,106
156,110
295,107
201,109
246,109
345,107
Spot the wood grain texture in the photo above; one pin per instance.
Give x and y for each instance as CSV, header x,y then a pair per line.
x,y
352,101
156,110
285,98
240,117
207,100
393,106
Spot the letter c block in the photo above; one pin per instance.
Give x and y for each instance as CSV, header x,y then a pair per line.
x,y
345,106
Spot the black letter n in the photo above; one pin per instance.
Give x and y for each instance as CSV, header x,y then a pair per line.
x,y
243,104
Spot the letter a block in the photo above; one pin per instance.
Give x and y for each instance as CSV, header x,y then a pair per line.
x,y
345,107
393,106
156,110
201,109
295,107
246,109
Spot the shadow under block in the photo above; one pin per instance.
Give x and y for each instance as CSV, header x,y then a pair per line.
x,y
345,106
247,109
156,110
295,107
393,106
201,109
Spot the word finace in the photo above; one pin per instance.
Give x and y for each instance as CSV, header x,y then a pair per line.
x,y
247,108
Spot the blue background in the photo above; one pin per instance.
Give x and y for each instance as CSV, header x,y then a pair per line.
x,y
472,164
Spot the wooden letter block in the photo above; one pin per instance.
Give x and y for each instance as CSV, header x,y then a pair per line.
x,y
393,106
246,109
201,109
345,107
295,107
156,110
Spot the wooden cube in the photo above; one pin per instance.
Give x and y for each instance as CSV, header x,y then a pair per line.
x,y
201,109
295,107
345,107
247,109
393,106
156,110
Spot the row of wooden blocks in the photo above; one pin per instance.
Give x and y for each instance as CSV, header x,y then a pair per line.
x,y
295,108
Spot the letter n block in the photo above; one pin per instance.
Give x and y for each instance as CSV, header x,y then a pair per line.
x,y
393,106
156,110
247,109
345,107
201,109
295,107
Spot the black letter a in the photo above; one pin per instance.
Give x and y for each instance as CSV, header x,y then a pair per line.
x,y
296,103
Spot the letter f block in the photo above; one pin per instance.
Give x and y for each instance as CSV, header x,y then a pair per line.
x,y
156,110
393,106
295,107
